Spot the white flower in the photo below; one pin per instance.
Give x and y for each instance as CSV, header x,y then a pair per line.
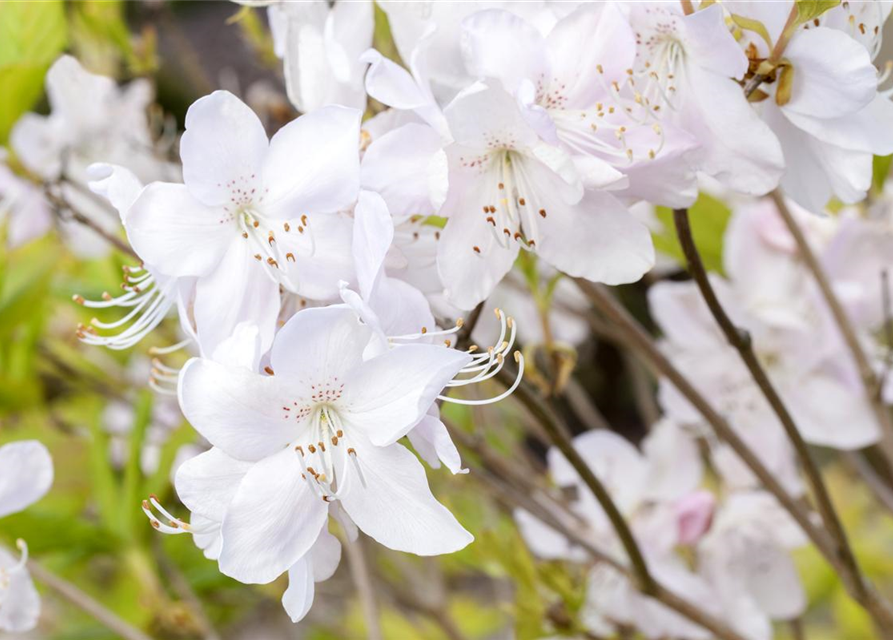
x,y
321,47
746,558
656,491
23,206
508,189
26,474
772,296
690,65
324,428
576,88
823,101
253,214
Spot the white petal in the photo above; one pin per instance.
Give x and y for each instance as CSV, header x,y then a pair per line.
x,y
237,291
20,603
116,184
398,166
674,461
313,165
272,522
431,440
485,116
739,149
869,129
322,255
320,345
710,42
207,483
386,396
396,507
177,234
237,410
325,556
833,74
298,597
597,239
26,474
774,582
37,144
222,148
499,44
372,237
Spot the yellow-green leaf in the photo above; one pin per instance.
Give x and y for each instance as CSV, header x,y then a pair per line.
x,y
810,9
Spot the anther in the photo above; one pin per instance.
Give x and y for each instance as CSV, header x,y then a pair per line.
x,y
269,370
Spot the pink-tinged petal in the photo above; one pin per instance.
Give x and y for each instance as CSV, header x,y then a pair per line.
x,y
593,36
313,165
272,521
207,483
711,44
499,44
870,129
222,149
675,467
237,410
485,116
597,239
298,597
20,605
238,290
26,474
388,395
177,234
694,514
833,74
738,148
396,507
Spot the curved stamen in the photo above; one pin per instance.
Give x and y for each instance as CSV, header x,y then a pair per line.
x,y
175,526
519,358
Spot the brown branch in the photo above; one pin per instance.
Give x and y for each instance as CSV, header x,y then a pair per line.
x,y
85,603
513,498
870,380
740,340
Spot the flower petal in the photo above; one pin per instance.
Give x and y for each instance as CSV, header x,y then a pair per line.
x,y
320,344
237,410
313,165
388,395
20,604
396,507
175,233
26,474
222,148
207,482
298,597
272,521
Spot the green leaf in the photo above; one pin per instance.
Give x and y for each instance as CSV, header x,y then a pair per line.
x,y
749,24
709,218
880,171
32,34
810,9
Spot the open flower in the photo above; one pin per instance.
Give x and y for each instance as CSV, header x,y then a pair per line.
x,y
26,474
324,428
509,189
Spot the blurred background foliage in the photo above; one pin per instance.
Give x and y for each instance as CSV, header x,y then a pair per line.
x,y
90,529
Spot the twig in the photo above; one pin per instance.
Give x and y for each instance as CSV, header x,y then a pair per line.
x,y
869,380
463,341
888,333
879,488
513,498
60,205
558,435
643,393
583,406
84,602
359,570
740,340
183,589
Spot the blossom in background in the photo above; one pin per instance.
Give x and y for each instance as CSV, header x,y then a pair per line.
x,y
657,491
321,46
26,474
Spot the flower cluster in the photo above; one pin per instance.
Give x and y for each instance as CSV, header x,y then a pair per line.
x,y
320,276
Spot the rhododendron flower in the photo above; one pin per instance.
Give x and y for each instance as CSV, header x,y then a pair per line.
x,y
508,189
324,428
26,474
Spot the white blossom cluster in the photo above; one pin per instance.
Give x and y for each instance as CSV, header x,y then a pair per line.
x,y
320,275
